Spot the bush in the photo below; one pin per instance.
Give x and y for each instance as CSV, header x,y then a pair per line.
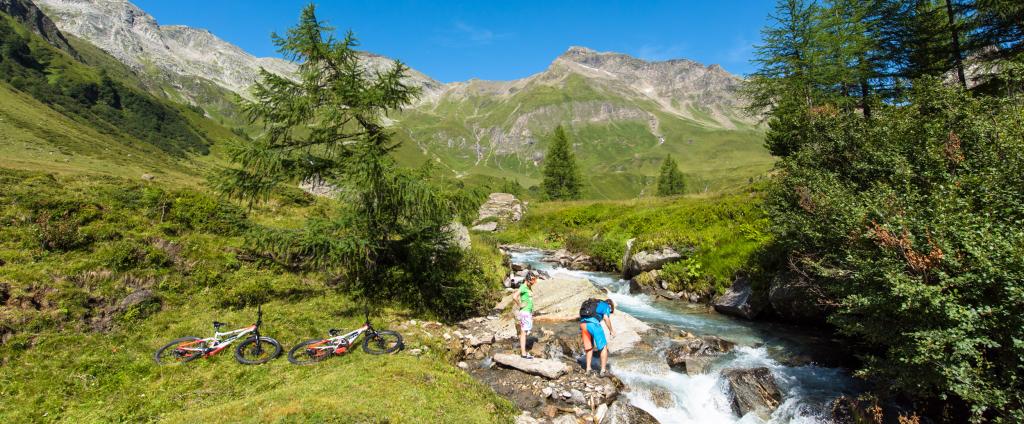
x,y
912,221
205,213
58,233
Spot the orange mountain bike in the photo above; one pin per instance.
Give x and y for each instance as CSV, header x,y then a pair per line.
x,y
254,350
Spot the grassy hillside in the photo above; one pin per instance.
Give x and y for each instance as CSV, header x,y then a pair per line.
x,y
722,231
74,248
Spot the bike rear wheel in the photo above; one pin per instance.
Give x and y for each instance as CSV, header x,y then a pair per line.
x,y
179,351
382,342
310,352
253,351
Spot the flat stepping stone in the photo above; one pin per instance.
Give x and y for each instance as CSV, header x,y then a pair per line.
x,y
547,368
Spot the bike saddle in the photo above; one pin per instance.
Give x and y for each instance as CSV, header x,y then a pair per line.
x,y
217,324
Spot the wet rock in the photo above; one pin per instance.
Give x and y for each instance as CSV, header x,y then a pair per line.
x,y
753,390
740,300
644,282
662,398
570,260
796,299
648,261
694,355
516,267
621,412
546,368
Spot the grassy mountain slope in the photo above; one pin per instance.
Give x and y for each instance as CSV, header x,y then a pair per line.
x,y
74,248
619,140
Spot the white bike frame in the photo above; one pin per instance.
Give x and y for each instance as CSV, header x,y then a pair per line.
x,y
345,340
216,344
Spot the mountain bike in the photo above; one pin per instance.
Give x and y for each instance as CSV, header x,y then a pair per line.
x,y
254,350
376,342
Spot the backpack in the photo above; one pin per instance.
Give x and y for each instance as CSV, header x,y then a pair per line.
x,y
589,308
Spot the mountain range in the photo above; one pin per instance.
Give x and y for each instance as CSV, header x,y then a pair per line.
x,y
623,114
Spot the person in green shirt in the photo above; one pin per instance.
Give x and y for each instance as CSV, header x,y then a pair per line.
x,y
524,313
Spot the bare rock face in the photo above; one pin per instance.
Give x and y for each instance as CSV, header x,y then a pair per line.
x,y
753,391
546,368
740,300
644,261
693,355
26,12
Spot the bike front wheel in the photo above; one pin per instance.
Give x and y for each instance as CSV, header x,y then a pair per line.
x,y
382,342
310,352
180,351
255,351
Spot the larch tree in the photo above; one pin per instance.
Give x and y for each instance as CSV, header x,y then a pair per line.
x,y
326,126
670,180
562,179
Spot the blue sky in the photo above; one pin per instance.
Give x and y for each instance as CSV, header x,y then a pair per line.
x,y
497,40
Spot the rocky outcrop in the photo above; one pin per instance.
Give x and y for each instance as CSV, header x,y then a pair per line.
x,y
621,412
693,355
753,391
740,300
569,260
546,368
648,261
499,209
26,13
795,299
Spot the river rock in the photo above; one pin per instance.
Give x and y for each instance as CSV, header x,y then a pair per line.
x,y
797,299
570,260
626,256
753,390
740,300
623,413
546,368
644,261
694,355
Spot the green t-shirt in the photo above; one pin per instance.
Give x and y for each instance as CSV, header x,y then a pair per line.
x,y
526,298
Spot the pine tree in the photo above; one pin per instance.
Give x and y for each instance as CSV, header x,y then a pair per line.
x,y
561,176
327,126
670,180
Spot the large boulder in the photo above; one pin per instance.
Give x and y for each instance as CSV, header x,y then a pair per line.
x,y
458,235
753,390
622,412
547,368
693,355
644,261
740,300
501,207
797,299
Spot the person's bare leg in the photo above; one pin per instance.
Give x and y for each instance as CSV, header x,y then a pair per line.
x,y
522,342
590,357
604,359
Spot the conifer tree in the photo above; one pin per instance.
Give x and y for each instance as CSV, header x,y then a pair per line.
x,y
326,126
670,180
561,176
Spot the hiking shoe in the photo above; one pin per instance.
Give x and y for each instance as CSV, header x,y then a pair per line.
x,y
527,356
603,374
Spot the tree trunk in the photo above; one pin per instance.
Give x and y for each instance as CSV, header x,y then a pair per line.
x,y
957,57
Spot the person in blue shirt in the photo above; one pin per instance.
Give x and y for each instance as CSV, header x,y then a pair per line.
x,y
593,333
